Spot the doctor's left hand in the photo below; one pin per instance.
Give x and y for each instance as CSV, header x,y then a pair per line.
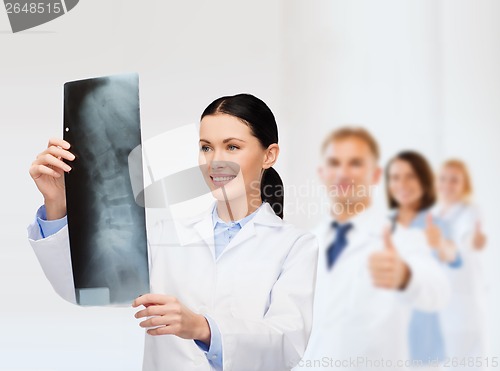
x,y
170,317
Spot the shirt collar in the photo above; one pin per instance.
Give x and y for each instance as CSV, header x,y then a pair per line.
x,y
418,220
217,220
371,221
359,221
452,212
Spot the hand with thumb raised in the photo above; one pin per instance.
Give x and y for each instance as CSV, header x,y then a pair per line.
x,y
388,244
387,268
479,238
432,232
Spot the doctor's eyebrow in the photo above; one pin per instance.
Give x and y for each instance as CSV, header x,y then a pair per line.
x,y
224,141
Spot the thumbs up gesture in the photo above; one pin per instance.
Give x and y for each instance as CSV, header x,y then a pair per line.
x,y
387,268
433,233
479,238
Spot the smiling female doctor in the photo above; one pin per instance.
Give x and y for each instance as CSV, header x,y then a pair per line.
x,y
232,288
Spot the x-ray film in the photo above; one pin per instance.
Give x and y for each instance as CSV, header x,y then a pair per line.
x,y
107,228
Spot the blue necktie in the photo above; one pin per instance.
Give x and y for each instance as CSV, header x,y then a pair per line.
x,y
339,243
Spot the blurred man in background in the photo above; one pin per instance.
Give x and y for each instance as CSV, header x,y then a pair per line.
x,y
369,280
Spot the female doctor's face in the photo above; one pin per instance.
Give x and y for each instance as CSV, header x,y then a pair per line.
x,y
451,184
404,185
231,157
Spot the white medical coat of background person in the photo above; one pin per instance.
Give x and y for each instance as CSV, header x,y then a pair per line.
x,y
356,325
463,320
259,291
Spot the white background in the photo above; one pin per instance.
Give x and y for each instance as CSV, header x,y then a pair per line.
x,y
421,75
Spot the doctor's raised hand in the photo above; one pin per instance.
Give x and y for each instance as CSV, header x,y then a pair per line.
x,y
433,233
446,249
479,238
387,268
47,172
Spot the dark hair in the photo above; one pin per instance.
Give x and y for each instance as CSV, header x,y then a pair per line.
x,y
256,114
424,174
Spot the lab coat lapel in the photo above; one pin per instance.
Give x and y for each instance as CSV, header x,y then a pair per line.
x,y
204,228
196,230
265,217
247,232
370,226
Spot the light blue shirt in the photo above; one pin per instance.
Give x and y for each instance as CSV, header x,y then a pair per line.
x,y
49,227
425,337
223,234
420,222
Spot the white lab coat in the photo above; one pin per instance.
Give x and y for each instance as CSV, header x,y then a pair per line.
x,y
259,291
357,326
463,320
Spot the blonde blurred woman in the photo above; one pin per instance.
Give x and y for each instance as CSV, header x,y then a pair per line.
x,y
463,321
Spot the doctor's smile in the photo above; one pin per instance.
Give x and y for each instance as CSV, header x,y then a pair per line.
x,y
221,179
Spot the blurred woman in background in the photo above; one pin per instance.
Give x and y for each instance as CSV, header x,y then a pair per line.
x,y
411,194
463,321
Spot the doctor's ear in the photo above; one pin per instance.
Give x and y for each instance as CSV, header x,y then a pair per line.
x,y
271,155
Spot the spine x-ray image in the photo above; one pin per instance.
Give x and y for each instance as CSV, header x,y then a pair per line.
x,y
107,228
